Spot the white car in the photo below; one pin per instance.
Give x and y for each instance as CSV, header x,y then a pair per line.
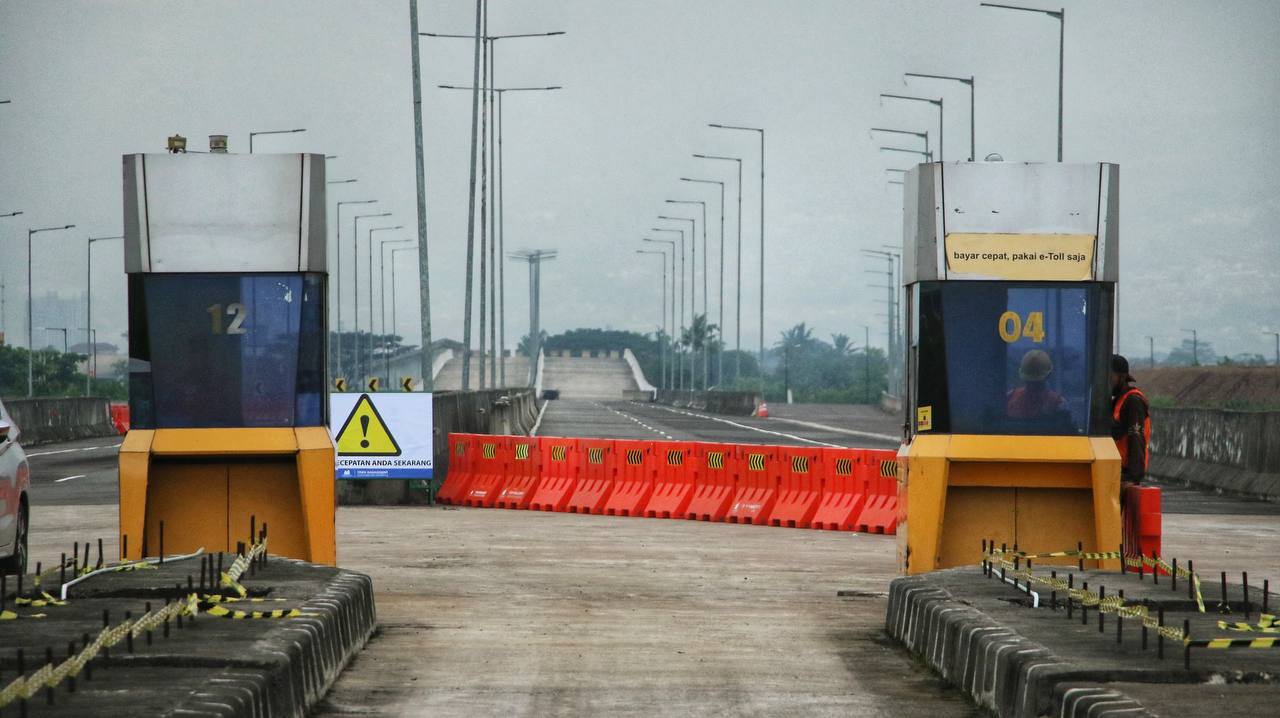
x,y
15,505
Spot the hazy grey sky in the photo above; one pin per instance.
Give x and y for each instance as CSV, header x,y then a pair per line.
x,y
1183,95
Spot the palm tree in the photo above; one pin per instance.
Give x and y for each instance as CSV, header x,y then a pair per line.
x,y
843,345
699,336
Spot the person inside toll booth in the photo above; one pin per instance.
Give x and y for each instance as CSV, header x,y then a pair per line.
x,y
1034,400
1130,423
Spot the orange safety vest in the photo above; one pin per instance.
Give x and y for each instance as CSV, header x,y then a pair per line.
x,y
1122,443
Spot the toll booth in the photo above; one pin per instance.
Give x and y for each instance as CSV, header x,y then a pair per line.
x,y
226,264
1010,273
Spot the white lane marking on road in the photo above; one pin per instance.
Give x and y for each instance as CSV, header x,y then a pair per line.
x,y
838,430
67,451
68,478
632,418
744,426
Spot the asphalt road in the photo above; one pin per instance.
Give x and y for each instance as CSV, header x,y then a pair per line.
x,y
74,473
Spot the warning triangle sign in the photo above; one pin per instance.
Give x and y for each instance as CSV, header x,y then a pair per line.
x,y
364,433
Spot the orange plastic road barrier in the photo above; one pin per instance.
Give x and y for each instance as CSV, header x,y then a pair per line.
x,y
461,451
524,472
758,480
800,488
560,471
490,466
1141,522
635,469
843,496
880,515
675,481
120,417
596,481
717,483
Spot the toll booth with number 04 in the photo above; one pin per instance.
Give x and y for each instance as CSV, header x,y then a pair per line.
x,y
1010,273
225,256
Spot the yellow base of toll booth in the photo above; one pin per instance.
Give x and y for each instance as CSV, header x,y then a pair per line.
x,y
207,484
1041,493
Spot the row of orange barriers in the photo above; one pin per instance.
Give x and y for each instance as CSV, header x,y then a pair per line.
x,y
798,487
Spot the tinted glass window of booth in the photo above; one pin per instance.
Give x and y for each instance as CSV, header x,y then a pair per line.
x,y
226,350
1017,359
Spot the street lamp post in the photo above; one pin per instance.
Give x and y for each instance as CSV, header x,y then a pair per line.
x,y
964,80
737,322
693,286
64,336
355,286
382,298
1061,16
937,103
706,306
1151,351
1195,347
922,135
338,266
394,325
88,306
680,328
662,355
761,131
30,303
720,299
369,363
1277,336
670,378
928,156
271,132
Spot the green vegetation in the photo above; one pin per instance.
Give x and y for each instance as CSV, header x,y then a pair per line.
x,y
53,373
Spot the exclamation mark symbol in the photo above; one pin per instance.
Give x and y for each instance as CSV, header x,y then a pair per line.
x,y
364,431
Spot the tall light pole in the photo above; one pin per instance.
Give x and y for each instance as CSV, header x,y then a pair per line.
x,y
1195,347
30,303
64,335
937,103
500,193
706,307
680,328
369,363
720,300
662,354
2,320
964,80
1151,351
488,42
1061,16
338,266
928,156
761,131
737,321
426,382
1277,336
355,286
424,277
382,297
271,132
88,311
693,286
671,382
535,258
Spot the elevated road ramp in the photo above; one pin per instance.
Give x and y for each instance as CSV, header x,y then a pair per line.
x,y
601,378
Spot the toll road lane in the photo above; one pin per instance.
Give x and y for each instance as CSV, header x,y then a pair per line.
x,y
78,472
873,429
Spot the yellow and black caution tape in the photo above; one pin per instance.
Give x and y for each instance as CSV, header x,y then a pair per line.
x,y
45,600
13,616
223,612
215,598
231,577
1232,643
1267,623
1129,562
49,676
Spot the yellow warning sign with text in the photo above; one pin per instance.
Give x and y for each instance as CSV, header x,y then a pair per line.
x,y
364,433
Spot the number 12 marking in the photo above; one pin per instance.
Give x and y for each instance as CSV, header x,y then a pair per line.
x,y
235,310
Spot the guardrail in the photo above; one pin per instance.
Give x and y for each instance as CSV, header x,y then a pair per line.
x,y
736,403
46,420
490,411
1233,451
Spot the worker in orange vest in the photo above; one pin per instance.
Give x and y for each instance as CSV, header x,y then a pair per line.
x,y
1130,423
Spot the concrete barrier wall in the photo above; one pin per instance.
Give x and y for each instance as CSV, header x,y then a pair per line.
x,y
1232,451
736,403
492,411
46,420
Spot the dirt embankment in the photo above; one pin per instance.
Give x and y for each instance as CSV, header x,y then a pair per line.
x,y
1220,387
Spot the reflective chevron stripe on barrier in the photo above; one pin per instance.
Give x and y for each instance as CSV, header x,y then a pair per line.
x,y
675,481
716,485
834,489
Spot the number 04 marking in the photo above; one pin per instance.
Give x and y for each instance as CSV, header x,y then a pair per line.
x,y
235,310
1012,328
